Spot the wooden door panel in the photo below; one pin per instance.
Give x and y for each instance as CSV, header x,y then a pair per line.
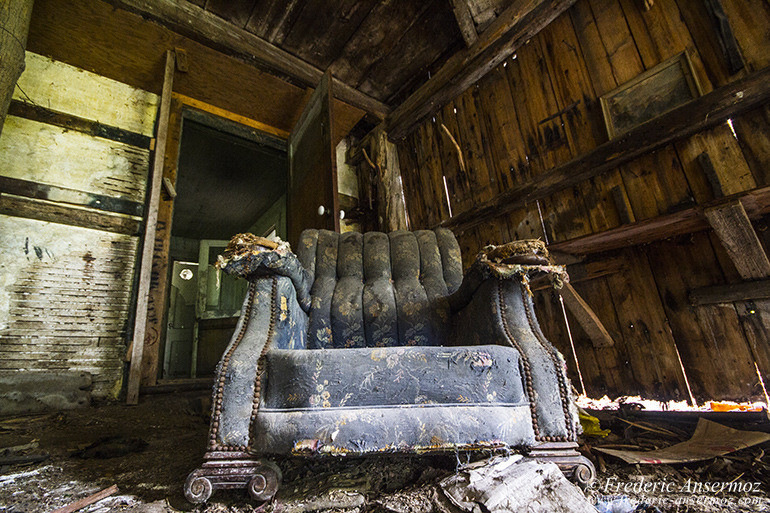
x,y
313,167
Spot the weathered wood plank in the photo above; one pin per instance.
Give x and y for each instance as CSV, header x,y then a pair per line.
x,y
43,115
56,213
465,21
700,114
517,24
586,317
733,227
148,245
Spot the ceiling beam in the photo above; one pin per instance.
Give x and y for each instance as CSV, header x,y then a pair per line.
x,y
465,22
512,29
192,21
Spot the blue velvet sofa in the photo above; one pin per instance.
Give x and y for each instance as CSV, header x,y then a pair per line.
x,y
375,343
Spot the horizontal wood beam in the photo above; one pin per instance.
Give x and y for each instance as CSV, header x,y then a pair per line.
x,y
690,220
71,215
700,114
743,291
43,191
42,114
521,21
201,25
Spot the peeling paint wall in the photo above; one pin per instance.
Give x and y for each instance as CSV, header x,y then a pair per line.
x,y
65,286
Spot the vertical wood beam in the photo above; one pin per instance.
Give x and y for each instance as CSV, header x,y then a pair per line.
x,y
14,26
737,235
465,21
148,246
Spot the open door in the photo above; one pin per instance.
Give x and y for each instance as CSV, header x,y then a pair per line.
x,y
313,168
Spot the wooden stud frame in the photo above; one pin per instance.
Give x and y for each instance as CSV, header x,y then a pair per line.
x,y
649,80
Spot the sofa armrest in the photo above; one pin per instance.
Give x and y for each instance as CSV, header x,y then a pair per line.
x,y
518,259
251,257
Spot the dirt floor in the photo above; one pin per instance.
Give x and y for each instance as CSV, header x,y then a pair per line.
x,y
148,450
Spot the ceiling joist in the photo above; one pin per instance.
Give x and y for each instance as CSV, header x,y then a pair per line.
x,y
190,20
522,20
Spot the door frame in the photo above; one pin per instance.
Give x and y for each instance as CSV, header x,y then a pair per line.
x,y
184,107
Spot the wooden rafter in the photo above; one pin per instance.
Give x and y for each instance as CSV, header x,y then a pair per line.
x,y
190,20
513,28
465,21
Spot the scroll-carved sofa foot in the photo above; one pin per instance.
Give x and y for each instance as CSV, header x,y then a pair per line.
x,y
260,478
576,467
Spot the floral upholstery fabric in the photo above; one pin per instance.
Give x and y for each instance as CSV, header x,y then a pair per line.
x,y
379,289
394,375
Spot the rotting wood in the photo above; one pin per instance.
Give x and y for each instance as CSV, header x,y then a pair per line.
x,y
148,247
727,40
586,317
690,220
729,293
698,115
733,227
71,122
522,20
215,31
465,21
14,22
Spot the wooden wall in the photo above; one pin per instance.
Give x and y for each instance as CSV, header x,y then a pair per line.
x,y
540,109
74,156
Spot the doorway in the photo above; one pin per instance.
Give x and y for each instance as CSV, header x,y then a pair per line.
x,y
230,179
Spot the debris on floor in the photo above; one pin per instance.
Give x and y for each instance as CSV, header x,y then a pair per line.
x,y
513,484
153,446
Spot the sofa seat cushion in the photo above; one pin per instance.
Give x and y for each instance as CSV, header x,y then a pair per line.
x,y
383,429
393,376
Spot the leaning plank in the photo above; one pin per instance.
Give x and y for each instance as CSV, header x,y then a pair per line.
x,y
700,114
733,227
744,291
148,246
586,317
91,499
756,202
190,20
521,21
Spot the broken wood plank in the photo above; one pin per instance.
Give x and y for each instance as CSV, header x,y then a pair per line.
x,y
465,21
744,291
733,227
586,317
698,115
91,499
522,20
148,246
214,31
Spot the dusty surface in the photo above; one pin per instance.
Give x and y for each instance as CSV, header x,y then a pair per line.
x,y
148,450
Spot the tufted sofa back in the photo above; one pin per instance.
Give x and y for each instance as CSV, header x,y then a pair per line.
x,y
377,289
